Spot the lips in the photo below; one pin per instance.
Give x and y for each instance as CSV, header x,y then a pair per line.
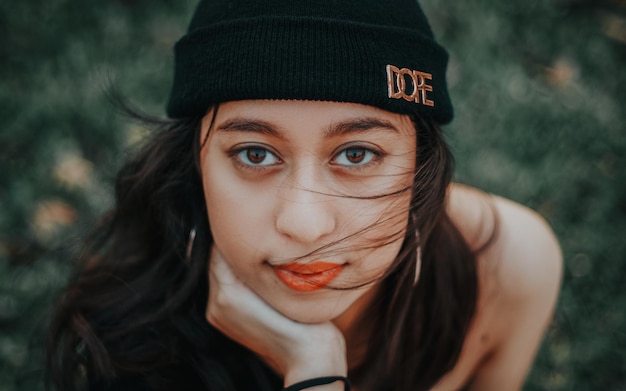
x,y
307,277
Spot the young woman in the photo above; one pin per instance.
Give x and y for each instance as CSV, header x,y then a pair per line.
x,y
293,224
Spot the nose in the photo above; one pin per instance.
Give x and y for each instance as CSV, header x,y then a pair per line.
x,y
304,215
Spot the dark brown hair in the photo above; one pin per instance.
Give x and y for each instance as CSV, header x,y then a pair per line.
x,y
133,312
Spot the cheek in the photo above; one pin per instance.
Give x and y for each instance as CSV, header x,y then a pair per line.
x,y
384,221
386,233
238,220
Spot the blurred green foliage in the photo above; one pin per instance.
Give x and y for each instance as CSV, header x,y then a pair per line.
x,y
539,91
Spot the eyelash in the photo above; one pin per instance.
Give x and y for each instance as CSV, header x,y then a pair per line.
x,y
235,155
376,157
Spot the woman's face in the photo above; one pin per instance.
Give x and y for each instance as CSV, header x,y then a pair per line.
x,y
300,198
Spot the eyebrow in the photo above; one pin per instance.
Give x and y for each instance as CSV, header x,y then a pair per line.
x,y
358,125
252,126
342,128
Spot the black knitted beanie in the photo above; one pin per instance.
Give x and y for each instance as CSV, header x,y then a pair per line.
x,y
375,52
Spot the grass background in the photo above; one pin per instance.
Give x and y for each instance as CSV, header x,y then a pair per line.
x,y
539,91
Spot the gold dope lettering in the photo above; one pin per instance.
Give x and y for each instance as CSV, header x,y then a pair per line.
x,y
397,85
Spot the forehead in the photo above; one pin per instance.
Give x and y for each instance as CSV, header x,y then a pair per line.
x,y
295,118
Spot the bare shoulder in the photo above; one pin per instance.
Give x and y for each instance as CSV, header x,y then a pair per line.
x,y
526,256
523,256
519,279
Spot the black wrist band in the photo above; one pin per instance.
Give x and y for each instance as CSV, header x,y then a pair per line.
x,y
319,381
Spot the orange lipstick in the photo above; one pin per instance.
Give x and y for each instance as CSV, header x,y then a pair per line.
x,y
307,277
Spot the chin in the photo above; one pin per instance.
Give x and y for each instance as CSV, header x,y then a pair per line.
x,y
318,311
309,318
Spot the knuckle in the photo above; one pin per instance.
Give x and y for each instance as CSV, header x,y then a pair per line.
x,y
222,300
211,318
219,301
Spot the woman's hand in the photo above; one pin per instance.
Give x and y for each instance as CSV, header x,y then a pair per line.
x,y
295,350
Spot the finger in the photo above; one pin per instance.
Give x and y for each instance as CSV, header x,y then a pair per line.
x,y
230,298
229,292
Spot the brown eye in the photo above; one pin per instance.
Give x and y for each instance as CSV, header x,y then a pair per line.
x,y
256,156
355,155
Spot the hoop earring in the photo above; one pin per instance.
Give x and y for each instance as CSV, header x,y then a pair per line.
x,y
190,242
418,261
